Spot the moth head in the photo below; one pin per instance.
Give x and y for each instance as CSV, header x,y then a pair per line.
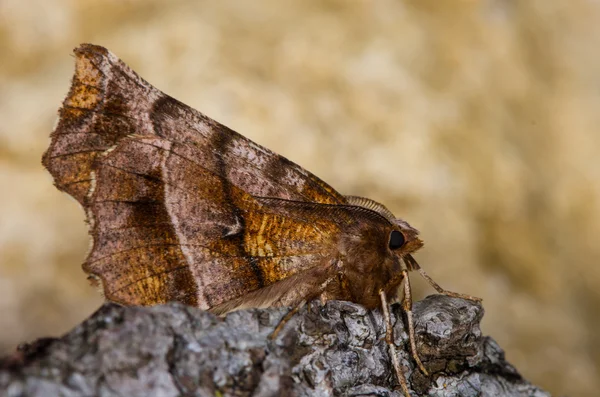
x,y
403,240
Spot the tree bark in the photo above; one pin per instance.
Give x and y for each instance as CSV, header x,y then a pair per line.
x,y
337,349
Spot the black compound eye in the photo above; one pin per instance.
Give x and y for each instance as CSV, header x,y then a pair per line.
x,y
397,239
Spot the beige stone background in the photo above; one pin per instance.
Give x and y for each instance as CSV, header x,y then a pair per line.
x,y
477,121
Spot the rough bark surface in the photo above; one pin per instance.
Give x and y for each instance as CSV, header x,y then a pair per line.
x,y
337,349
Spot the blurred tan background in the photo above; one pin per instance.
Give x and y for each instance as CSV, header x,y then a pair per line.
x,y
476,121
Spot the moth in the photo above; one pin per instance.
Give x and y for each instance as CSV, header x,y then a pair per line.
x,y
182,208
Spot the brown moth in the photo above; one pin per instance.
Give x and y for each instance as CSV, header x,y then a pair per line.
x,y
181,208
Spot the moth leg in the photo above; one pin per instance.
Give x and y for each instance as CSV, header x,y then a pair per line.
x,y
389,339
442,291
299,306
287,318
407,307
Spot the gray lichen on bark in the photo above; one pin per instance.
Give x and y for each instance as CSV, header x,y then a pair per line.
x,y
336,349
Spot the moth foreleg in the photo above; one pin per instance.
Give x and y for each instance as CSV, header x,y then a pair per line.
x,y
442,291
389,339
407,307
